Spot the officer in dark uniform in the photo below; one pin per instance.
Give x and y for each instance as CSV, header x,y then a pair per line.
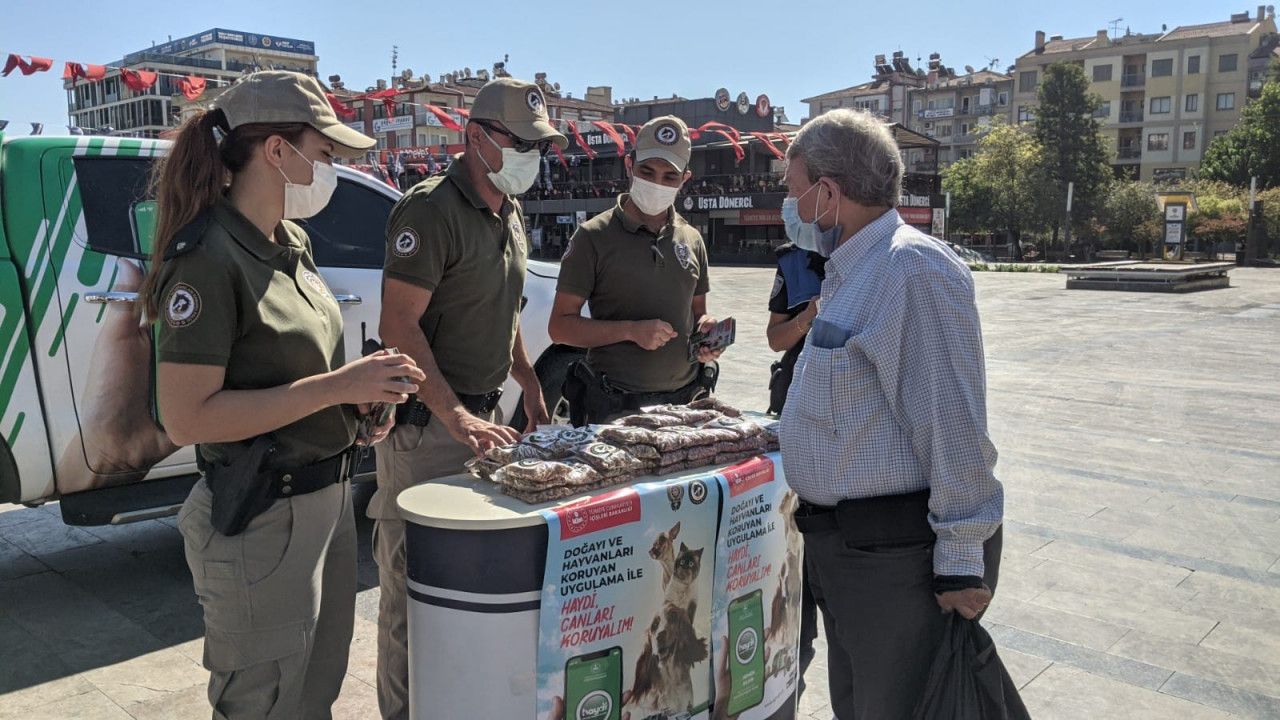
x,y
251,371
793,304
453,281
643,270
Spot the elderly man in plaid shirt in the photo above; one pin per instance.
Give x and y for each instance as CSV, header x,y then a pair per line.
x,y
884,433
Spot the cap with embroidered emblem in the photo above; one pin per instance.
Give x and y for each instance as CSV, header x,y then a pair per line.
x,y
278,96
520,107
666,138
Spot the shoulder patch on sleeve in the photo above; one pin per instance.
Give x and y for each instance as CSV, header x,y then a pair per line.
x,y
182,306
406,243
777,285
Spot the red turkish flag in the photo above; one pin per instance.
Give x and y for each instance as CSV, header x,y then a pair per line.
x,y
75,70
343,111
612,133
560,154
444,117
192,87
768,143
573,128
138,80
35,65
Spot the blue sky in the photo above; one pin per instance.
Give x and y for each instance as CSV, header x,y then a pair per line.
x,y
788,50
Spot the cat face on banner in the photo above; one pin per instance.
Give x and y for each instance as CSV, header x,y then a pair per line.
x,y
688,564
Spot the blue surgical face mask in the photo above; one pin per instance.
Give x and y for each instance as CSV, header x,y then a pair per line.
x,y
807,235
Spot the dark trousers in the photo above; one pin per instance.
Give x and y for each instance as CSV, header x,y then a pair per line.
x,y
882,621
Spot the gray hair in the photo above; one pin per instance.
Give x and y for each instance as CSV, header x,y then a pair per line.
x,y
855,149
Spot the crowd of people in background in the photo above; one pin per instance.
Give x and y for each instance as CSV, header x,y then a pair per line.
x,y
601,188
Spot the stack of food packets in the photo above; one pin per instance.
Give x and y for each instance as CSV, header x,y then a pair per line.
x,y
557,462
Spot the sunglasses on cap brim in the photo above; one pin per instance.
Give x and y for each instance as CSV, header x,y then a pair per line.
x,y
518,143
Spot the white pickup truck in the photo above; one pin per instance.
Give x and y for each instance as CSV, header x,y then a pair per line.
x,y
77,413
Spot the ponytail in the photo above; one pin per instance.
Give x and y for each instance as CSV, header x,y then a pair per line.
x,y
194,176
187,182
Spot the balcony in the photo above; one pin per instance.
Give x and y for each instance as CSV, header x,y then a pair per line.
x,y
1130,116
1133,80
1129,153
985,110
924,166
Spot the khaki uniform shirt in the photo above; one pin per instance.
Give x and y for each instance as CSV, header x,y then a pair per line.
x,y
234,299
626,272
443,237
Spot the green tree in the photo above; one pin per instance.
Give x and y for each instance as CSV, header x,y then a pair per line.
x,y
1271,216
971,206
1074,150
1003,187
1127,206
1252,147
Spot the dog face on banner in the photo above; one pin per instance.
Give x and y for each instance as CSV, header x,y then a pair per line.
x,y
679,650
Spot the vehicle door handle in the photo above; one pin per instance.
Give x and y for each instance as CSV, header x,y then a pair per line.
x,y
106,298
348,299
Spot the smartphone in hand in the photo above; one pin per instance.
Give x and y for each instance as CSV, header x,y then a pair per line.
x,y
721,336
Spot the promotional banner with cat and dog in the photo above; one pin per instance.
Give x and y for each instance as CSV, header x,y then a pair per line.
x,y
648,613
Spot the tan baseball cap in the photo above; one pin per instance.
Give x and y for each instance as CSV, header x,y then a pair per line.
x,y
665,137
276,96
520,107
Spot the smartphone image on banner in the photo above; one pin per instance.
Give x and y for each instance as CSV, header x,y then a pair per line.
x,y
746,652
593,686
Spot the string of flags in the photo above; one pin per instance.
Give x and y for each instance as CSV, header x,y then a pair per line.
x,y
193,87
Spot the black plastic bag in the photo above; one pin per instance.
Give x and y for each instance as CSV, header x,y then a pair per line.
x,y
968,681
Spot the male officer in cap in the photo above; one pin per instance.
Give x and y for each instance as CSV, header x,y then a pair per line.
x,y
452,287
644,271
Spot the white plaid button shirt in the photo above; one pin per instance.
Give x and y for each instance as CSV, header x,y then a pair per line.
x,y
889,394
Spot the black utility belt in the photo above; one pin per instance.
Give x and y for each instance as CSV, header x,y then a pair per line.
x,y
881,520
415,412
292,482
592,397
245,487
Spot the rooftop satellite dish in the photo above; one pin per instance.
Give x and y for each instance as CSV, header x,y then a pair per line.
x,y
556,86
969,69
466,72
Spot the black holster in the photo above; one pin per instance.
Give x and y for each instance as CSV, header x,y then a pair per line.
x,y
241,489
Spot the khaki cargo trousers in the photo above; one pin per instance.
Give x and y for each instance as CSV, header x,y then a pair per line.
x,y
410,456
279,603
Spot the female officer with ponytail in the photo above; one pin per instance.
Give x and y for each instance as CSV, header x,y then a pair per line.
x,y
251,372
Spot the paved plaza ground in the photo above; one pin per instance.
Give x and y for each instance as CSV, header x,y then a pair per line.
x,y
1139,439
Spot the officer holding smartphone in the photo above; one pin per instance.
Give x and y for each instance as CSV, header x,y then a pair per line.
x,y
643,269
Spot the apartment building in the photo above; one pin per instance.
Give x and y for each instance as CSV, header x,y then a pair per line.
x,y
954,109
1164,95
220,56
886,94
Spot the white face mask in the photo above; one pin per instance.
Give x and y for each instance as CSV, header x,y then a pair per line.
x,y
650,197
304,201
519,169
